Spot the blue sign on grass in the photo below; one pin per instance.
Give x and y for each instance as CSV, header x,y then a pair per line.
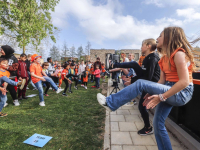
x,y
38,140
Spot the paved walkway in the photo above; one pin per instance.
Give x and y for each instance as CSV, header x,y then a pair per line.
x,y
122,126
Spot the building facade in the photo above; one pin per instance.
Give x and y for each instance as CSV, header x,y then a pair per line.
x,y
102,53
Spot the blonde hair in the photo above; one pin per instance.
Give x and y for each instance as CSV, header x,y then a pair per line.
x,y
151,42
174,38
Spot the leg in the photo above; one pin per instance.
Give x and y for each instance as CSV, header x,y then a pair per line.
x,y
51,82
12,91
76,81
70,85
40,89
81,79
114,101
24,89
162,138
7,80
66,85
3,100
47,88
138,70
143,111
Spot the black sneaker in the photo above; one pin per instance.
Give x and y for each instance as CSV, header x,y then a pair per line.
x,y
64,94
2,114
70,91
24,97
146,131
20,98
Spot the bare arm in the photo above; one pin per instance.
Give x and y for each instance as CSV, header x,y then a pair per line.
x,y
114,70
44,73
183,74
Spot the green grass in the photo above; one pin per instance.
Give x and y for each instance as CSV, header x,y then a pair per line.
x,y
75,122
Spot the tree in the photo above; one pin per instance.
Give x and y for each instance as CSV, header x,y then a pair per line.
x,y
80,52
54,53
73,52
29,21
65,52
87,49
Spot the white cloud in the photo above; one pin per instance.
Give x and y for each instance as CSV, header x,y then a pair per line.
x,y
162,3
105,22
190,14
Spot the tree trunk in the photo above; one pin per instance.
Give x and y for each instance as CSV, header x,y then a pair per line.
x,y
24,49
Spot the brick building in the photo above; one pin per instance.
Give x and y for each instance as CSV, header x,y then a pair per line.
x,y
94,53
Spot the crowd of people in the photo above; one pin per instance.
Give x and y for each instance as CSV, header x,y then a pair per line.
x,y
16,74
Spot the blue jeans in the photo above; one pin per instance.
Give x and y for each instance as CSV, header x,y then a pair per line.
x,y
3,100
7,80
40,88
97,82
163,109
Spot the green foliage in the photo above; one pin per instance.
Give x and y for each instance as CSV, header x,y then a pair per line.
x,y
29,20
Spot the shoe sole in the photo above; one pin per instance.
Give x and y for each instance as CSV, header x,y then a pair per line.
x,y
23,83
106,107
147,133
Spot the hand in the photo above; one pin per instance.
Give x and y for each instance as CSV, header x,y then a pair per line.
x,y
3,90
127,79
146,101
27,78
72,78
20,78
69,81
43,79
123,77
127,83
154,101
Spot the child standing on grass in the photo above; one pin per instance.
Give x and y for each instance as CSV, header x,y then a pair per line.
x,y
58,73
4,78
45,67
38,75
72,72
85,76
65,79
92,73
22,73
97,76
103,71
76,69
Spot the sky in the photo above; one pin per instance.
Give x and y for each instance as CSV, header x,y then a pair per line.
x,y
122,24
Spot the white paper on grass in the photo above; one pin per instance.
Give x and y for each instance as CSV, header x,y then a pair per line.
x,y
32,95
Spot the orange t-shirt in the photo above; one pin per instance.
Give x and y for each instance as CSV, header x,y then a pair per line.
x,y
64,73
4,73
141,60
76,71
171,74
37,69
103,69
85,79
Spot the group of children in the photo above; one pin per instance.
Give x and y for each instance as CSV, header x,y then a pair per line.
x,y
41,75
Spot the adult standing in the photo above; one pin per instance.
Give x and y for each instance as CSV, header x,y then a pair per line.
x,y
7,52
80,71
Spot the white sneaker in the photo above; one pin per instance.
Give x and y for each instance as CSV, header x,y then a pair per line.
x,y
50,88
82,85
42,103
102,101
27,88
6,104
76,87
85,87
16,102
59,90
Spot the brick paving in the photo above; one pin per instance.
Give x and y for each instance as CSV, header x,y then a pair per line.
x,y
122,126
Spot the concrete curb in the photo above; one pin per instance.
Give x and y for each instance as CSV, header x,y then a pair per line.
x,y
182,136
107,126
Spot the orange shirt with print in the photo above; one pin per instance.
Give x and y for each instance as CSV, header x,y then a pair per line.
x,y
171,73
103,69
141,60
4,73
37,70
64,73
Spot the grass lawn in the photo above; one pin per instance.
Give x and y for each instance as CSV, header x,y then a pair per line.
x,y
75,122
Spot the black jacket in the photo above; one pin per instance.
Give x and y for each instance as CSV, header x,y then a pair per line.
x,y
150,67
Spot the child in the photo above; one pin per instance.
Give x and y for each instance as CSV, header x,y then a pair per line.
x,y
92,73
97,76
4,78
72,72
103,71
76,69
45,67
175,87
58,73
38,75
22,73
65,79
85,76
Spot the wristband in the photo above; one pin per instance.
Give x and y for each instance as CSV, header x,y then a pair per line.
x,y
162,98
